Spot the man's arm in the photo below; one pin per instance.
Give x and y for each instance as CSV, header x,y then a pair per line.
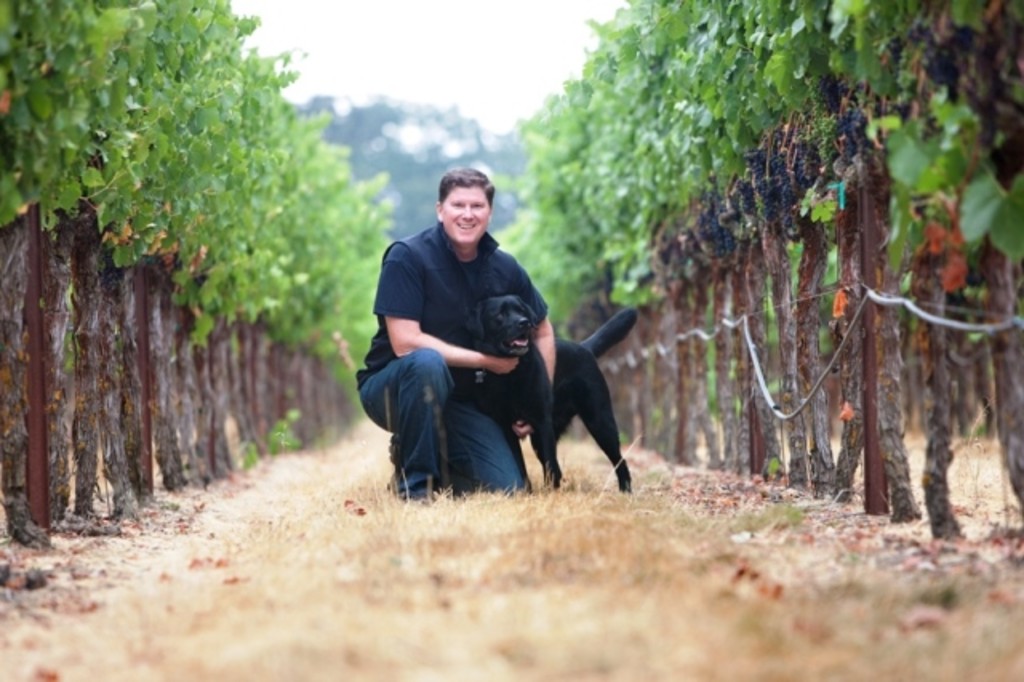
x,y
544,337
406,336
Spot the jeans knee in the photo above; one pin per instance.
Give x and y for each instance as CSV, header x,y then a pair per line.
x,y
426,361
426,367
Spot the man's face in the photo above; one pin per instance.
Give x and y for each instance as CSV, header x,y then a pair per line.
x,y
465,215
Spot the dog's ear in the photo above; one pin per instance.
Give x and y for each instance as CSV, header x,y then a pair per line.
x,y
531,314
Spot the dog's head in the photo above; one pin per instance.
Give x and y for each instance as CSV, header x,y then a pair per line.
x,y
502,326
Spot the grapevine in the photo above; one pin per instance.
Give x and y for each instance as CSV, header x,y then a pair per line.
x,y
184,147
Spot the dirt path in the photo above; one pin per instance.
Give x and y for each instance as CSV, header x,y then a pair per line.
x,y
204,586
306,569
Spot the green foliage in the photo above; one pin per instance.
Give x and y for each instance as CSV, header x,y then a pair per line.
x,y
678,93
821,209
186,150
282,436
250,456
988,209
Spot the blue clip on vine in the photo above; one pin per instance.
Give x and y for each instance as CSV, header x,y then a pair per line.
x,y
840,188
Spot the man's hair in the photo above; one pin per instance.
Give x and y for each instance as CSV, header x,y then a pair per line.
x,y
465,177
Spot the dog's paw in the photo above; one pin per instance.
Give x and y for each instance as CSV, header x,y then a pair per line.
x,y
555,477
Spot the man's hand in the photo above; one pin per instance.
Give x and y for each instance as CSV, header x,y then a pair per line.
x,y
500,365
521,429
406,337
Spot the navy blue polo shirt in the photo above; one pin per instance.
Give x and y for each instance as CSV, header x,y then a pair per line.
x,y
421,279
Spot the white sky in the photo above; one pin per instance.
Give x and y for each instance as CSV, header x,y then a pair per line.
x,y
496,60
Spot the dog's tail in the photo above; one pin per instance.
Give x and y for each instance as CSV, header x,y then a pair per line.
x,y
611,332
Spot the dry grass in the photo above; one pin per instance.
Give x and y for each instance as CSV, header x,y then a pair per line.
x,y
307,569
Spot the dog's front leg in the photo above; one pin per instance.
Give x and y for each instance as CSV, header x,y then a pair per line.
x,y
517,453
545,445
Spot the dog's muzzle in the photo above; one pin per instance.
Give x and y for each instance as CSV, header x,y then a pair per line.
x,y
518,346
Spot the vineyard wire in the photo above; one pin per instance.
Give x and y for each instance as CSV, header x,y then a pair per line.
x,y
990,328
887,300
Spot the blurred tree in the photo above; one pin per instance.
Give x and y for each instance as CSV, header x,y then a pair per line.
x,y
414,145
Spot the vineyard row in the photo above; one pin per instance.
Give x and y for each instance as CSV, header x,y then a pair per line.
x,y
963,364
108,383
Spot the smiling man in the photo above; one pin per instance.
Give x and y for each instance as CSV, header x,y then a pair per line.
x,y
420,370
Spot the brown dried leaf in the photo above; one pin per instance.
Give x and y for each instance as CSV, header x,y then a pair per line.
x,y
923,617
839,304
954,274
45,675
353,508
935,236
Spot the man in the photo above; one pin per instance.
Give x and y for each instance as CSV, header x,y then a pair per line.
x,y
420,369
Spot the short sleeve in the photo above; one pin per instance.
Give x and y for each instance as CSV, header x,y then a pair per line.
x,y
400,287
531,296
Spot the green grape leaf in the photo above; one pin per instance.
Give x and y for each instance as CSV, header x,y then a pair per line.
x,y
899,211
1007,234
68,196
10,198
824,211
987,209
969,13
148,13
202,329
779,70
909,158
40,103
92,178
110,26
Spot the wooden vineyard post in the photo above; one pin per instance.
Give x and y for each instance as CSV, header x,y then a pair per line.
x,y
145,377
37,470
876,499
757,446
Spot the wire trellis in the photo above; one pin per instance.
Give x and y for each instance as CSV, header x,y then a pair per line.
x,y
888,300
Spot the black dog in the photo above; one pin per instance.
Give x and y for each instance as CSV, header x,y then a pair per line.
x,y
502,326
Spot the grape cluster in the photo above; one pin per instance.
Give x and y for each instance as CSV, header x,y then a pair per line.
x,y
747,199
806,166
111,276
902,110
895,49
783,186
780,180
832,91
957,300
757,163
670,252
919,34
963,38
941,67
940,54
717,239
764,183
852,130
984,89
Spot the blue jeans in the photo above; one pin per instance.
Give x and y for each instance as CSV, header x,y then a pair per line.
x,y
441,442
